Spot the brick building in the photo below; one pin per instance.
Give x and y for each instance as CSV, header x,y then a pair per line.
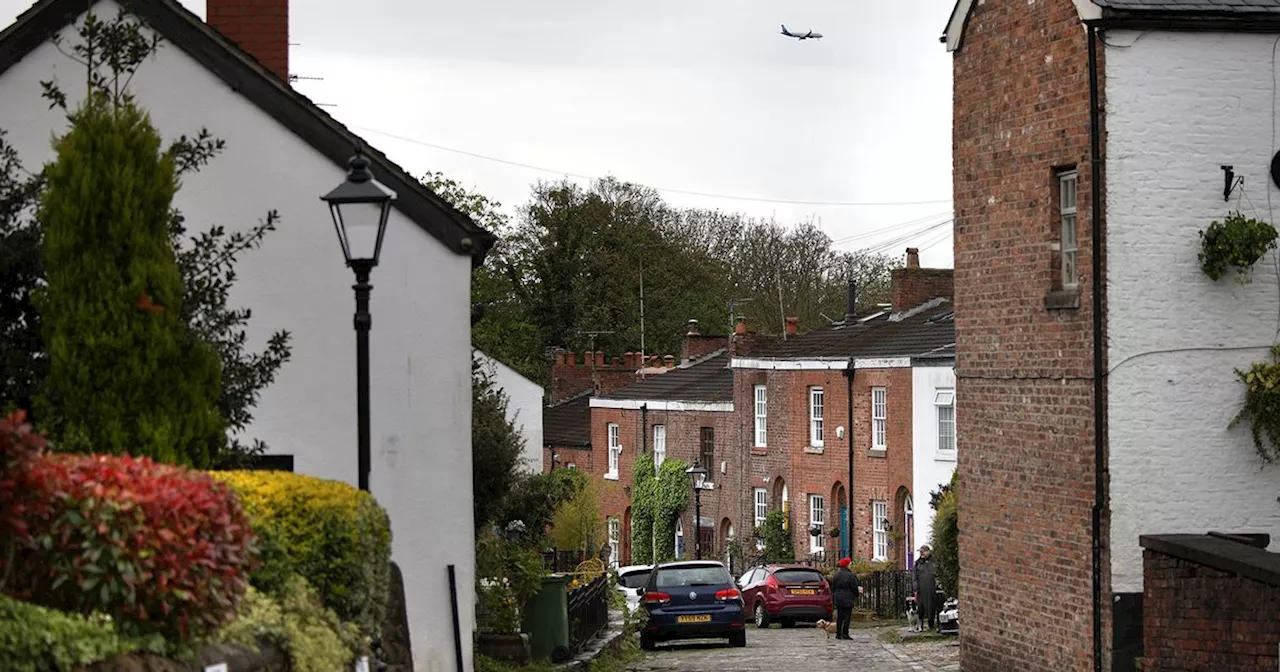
x,y
802,439
687,414
1092,142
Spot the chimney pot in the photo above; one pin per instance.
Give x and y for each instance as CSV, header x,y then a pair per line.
x,y
629,359
851,301
570,358
599,359
913,257
741,327
259,27
616,362
792,327
693,328
669,361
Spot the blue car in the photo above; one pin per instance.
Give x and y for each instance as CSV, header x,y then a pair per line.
x,y
692,600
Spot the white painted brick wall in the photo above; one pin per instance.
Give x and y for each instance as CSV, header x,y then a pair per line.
x,y
1179,105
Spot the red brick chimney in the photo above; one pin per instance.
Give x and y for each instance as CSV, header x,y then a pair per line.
x,y
913,285
571,376
259,27
698,344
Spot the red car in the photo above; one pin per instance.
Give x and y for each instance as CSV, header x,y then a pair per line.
x,y
785,593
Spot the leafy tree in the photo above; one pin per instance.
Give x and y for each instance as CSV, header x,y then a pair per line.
x,y
946,541
577,525
125,373
112,52
496,446
776,534
533,502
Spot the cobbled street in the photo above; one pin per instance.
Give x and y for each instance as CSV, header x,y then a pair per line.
x,y
804,649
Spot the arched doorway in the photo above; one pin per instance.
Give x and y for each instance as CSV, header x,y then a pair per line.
x,y
900,533
840,509
625,558
726,544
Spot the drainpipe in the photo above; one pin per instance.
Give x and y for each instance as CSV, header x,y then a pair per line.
x,y
849,374
1099,410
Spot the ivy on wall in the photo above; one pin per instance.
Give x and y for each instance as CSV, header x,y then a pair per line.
x,y
657,499
1262,405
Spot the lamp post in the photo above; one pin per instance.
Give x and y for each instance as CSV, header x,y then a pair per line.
x,y
360,206
697,474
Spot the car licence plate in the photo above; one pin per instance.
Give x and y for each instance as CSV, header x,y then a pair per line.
x,y
802,591
700,618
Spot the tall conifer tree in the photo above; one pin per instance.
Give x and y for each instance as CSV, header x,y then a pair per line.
x,y
125,373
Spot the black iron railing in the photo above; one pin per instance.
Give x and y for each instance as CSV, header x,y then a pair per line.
x,y
885,593
588,612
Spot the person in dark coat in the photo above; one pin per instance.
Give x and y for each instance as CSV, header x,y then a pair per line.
x,y
926,586
844,593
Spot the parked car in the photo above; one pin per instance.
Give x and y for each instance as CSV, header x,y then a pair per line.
x,y
692,600
949,618
785,593
631,583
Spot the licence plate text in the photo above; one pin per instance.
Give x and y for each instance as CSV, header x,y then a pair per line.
x,y
699,618
802,591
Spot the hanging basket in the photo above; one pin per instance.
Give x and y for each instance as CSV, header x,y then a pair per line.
x,y
1235,242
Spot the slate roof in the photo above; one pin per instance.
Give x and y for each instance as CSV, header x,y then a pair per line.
x,y
243,74
1199,6
568,423
708,379
923,331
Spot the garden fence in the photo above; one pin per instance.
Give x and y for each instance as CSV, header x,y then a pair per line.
x,y
588,612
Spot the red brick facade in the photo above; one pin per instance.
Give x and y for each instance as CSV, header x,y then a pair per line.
x,y
1025,399
1200,618
259,27
790,459
720,504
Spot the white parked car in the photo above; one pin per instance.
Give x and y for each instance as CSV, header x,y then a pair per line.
x,y
632,580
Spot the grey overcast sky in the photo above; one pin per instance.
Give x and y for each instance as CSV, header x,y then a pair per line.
x,y
685,96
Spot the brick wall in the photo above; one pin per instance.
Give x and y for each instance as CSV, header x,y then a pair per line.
x,y
683,430
790,457
1200,618
260,27
571,376
1024,398
913,286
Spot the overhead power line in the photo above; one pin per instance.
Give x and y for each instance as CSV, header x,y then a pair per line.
x,y
669,190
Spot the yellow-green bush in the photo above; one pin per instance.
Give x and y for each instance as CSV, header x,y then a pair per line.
x,y
333,535
310,634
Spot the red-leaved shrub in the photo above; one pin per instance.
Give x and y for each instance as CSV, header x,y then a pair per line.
x,y
158,547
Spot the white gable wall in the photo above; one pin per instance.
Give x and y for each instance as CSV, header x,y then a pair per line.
x,y
420,342
524,409
930,468
1179,105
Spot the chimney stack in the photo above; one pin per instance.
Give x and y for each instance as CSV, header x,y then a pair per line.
x,y
851,302
259,27
792,327
741,327
913,257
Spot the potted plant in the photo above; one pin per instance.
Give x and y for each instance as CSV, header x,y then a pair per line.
x,y
834,532
815,530
1235,242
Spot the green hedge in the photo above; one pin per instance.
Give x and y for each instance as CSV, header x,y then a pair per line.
x,y
36,639
333,535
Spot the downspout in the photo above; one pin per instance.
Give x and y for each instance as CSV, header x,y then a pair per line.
x,y
1099,409
849,374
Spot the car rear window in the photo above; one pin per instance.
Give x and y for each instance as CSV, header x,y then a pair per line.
x,y
634,579
797,576
676,577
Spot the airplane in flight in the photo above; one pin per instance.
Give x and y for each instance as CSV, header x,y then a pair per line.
x,y
801,36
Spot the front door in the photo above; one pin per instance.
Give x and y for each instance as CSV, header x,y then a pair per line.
x,y
844,532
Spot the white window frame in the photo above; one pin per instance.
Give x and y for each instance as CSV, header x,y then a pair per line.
x,y
762,415
1069,240
817,516
815,416
944,400
879,514
879,418
659,445
615,451
762,505
615,545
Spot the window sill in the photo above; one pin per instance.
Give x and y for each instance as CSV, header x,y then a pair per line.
x,y
947,456
1062,299
813,450
611,476
878,452
759,452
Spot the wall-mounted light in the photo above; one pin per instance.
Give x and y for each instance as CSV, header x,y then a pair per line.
x,y
840,432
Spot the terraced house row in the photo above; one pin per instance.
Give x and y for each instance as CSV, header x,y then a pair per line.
x,y
770,418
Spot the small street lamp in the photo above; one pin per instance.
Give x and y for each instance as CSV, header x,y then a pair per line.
x,y
360,207
697,475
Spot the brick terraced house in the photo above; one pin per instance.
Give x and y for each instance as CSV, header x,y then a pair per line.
x,y
802,439
1095,362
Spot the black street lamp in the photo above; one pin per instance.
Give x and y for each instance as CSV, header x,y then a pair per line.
x,y
360,206
698,475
